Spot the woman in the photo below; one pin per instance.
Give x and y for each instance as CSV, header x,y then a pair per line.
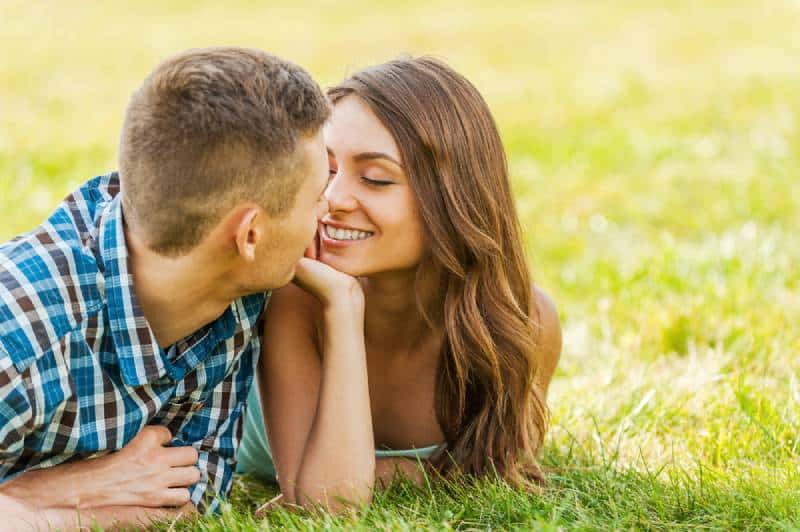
x,y
412,331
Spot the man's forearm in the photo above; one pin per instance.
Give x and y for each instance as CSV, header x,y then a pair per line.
x,y
23,517
144,474
68,496
63,486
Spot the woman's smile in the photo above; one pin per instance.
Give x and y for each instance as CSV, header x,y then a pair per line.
x,y
336,236
340,233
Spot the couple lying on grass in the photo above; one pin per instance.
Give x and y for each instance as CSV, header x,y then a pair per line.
x,y
134,320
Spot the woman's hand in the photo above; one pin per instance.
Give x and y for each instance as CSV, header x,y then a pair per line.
x,y
330,286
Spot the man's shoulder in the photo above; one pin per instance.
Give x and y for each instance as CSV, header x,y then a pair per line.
x,y
49,276
79,213
75,219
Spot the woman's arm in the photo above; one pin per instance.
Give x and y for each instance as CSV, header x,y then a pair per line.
x,y
316,404
388,469
338,465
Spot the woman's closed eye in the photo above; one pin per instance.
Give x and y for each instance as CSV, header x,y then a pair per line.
x,y
376,182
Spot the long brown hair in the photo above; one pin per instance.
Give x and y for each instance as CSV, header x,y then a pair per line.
x,y
493,416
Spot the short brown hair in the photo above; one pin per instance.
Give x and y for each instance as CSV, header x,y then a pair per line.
x,y
210,128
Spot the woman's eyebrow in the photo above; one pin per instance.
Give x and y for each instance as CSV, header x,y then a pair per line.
x,y
371,155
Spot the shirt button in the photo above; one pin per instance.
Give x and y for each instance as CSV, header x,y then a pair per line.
x,y
197,406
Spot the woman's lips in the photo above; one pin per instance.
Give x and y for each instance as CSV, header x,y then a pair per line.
x,y
341,237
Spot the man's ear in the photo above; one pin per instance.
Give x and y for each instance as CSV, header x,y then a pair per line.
x,y
247,232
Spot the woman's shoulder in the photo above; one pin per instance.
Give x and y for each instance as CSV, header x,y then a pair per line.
x,y
292,297
548,328
546,312
293,309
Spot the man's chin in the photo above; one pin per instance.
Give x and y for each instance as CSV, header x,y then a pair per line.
x,y
289,277
273,283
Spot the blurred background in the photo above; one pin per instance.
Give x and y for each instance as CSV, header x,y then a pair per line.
x,y
655,156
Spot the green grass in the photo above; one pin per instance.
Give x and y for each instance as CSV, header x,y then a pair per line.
x,y
655,153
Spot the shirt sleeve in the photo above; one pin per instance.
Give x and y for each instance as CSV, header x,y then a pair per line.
x,y
217,451
16,414
216,477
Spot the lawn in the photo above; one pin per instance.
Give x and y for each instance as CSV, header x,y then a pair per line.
x,y
655,154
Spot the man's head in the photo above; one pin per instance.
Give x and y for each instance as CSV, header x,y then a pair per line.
x,y
225,144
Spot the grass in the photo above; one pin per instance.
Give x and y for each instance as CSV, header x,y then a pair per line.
x,y
655,153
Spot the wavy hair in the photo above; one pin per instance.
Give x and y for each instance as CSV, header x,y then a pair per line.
x,y
493,416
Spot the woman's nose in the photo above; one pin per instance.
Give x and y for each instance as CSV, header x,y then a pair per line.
x,y
340,195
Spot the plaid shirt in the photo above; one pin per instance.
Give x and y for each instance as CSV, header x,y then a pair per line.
x,y
80,370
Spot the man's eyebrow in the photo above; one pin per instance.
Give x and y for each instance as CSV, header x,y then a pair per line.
x,y
369,156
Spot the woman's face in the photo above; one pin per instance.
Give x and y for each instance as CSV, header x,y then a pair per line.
x,y
373,225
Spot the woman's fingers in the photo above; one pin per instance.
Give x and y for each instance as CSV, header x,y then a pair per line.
x,y
329,285
312,251
312,276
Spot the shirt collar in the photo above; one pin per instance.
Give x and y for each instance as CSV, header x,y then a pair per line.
x,y
140,357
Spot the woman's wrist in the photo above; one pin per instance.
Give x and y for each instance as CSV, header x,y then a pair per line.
x,y
341,312
347,300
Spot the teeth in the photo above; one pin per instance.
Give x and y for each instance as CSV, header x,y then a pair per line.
x,y
346,234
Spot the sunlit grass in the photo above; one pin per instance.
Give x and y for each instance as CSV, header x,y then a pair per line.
x,y
655,153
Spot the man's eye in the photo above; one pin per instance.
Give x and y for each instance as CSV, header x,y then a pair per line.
x,y
375,182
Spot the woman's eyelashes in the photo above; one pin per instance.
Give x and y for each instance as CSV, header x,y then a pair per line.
x,y
376,182
366,180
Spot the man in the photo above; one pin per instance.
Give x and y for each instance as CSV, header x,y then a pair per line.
x,y
129,319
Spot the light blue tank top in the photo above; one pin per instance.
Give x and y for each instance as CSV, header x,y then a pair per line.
x,y
254,456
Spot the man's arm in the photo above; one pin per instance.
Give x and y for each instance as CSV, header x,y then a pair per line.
x,y
145,473
143,481
16,412
20,516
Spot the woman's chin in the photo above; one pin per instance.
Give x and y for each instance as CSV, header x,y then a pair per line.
x,y
340,264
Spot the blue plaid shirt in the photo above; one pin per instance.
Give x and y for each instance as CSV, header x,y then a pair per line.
x,y
80,370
